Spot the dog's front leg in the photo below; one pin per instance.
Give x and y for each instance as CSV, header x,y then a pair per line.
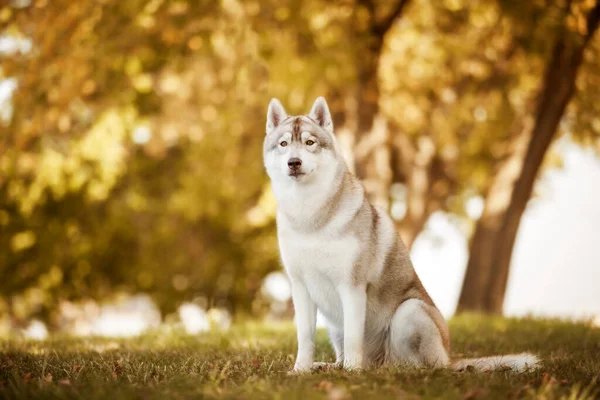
x,y
354,304
306,322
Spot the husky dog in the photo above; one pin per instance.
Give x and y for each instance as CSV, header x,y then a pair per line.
x,y
344,257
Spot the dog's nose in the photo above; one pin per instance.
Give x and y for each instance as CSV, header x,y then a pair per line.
x,y
294,163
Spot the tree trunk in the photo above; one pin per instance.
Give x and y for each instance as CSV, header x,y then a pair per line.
x,y
365,131
372,161
371,145
492,244
419,182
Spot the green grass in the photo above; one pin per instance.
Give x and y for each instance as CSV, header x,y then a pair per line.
x,y
251,361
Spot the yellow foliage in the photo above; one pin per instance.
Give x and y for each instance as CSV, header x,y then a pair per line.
x,y
264,212
22,241
133,153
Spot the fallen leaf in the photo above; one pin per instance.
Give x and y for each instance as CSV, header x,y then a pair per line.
x,y
338,393
65,382
325,385
117,368
475,393
48,377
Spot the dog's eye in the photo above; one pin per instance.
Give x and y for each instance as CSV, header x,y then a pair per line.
x,y
283,144
310,142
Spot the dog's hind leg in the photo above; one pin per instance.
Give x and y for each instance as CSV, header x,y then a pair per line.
x,y
416,338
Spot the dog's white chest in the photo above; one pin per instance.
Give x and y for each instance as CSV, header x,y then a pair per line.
x,y
322,262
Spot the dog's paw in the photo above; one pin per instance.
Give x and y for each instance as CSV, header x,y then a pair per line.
x,y
352,366
299,370
353,363
320,366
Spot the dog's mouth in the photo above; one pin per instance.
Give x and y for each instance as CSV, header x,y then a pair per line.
x,y
296,174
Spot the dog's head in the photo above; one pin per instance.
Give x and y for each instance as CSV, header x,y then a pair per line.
x,y
296,147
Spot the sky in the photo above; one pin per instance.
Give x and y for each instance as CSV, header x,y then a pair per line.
x,y
555,270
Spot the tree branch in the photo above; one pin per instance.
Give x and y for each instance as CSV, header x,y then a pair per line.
x,y
381,28
593,19
368,4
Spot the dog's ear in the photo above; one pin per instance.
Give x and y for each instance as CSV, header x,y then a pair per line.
x,y
275,115
320,113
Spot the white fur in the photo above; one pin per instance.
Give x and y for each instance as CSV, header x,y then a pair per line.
x,y
321,278
325,275
320,263
516,362
410,319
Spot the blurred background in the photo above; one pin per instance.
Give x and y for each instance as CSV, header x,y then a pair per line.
x,y
132,190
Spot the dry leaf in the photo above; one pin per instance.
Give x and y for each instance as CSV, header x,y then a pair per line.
x,y
475,393
117,368
325,385
338,393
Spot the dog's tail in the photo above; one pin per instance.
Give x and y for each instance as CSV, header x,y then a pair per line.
x,y
514,362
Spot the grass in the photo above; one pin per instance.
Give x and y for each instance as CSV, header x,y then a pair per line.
x,y
251,361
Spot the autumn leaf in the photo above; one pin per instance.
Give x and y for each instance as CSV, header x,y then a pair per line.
x,y
324,386
475,393
117,368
